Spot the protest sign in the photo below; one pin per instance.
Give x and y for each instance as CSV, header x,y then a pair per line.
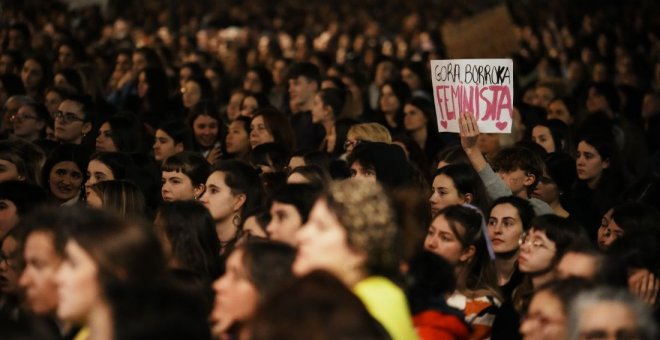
x,y
481,86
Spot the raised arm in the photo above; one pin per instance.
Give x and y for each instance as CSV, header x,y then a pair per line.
x,y
469,131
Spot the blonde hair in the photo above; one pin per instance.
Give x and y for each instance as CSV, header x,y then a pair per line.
x,y
370,132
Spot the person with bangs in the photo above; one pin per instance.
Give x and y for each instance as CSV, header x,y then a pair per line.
x,y
208,131
184,176
171,137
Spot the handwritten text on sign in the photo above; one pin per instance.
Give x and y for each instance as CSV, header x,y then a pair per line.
x,y
481,86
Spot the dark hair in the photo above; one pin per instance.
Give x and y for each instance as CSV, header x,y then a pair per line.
x,y
73,79
388,160
205,89
427,108
520,158
124,251
609,92
44,219
126,133
265,76
335,99
429,279
635,216
565,290
12,84
26,196
316,175
562,231
274,155
87,105
190,231
121,164
150,56
64,153
479,272
466,181
278,125
261,99
10,152
189,163
301,196
559,133
307,70
242,178
562,170
322,307
268,264
179,132
205,108
123,197
523,208
451,155
402,92
158,93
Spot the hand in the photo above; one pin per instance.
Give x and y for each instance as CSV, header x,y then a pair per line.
x,y
214,155
644,285
469,131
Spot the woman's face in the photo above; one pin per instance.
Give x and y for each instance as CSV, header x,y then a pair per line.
x,y
259,133
104,141
78,288
558,110
609,231
9,172
218,198
590,165
191,93
26,123
360,172
541,135
319,109
536,252
389,103
442,241
205,129
323,244
177,186
545,319
164,146
547,190
94,200
413,118
52,102
64,180
234,105
505,228
9,265
237,140
97,171
236,298
32,74
444,194
248,106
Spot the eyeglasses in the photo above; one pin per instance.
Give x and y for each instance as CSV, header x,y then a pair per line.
x,y
68,117
21,118
535,242
542,320
349,143
602,334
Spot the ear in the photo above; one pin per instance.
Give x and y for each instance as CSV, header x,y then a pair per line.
x,y
529,179
178,147
468,253
87,127
468,198
606,163
239,200
199,190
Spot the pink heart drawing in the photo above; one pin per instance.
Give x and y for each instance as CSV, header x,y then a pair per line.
x,y
501,125
443,123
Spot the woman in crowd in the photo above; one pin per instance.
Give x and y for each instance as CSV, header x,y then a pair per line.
x,y
233,191
207,131
192,249
171,137
552,135
351,234
184,176
541,248
625,218
155,105
254,271
237,141
559,175
393,95
107,166
17,164
253,101
270,125
119,133
312,174
196,90
457,235
420,124
62,174
30,122
328,106
121,197
457,184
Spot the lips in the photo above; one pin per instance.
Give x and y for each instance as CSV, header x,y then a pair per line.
x,y
521,259
497,241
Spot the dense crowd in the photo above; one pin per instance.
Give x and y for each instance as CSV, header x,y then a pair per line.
x,y
274,170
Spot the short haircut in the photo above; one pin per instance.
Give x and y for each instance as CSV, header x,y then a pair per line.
x,y
307,70
301,196
179,132
25,195
86,103
520,158
189,163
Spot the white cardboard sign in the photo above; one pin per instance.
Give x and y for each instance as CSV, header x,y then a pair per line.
x,y
481,86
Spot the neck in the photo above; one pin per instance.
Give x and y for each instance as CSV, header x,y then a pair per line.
x,y
542,278
329,126
225,229
558,209
100,322
420,136
593,183
505,265
307,106
351,277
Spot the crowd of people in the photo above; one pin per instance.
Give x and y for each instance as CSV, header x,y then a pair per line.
x,y
274,170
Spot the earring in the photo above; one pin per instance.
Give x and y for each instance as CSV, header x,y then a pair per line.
x,y
236,220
